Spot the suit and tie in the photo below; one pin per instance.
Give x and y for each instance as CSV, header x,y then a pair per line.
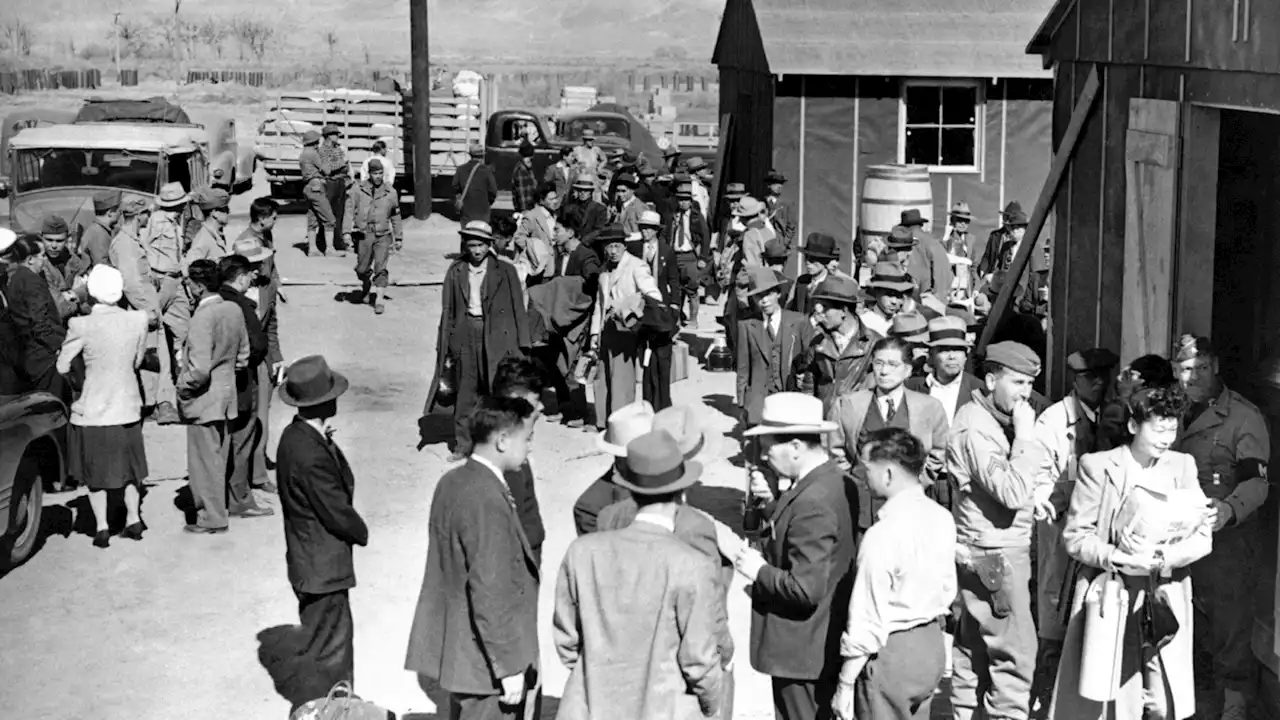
x,y
321,525
656,382
477,616
690,238
770,351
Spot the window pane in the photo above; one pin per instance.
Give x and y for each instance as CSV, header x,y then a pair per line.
x,y
922,105
922,146
957,147
959,105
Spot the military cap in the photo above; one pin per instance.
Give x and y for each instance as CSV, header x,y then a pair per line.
x,y
214,200
375,164
1015,356
106,201
328,130
310,137
134,205
1092,359
54,228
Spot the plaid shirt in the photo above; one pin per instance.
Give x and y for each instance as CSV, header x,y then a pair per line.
x,y
333,160
524,188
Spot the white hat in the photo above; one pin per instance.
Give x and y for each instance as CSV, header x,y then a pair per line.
x,y
106,284
634,237
7,239
625,424
650,218
791,413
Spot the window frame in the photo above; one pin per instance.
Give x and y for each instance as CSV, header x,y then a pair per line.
x,y
980,121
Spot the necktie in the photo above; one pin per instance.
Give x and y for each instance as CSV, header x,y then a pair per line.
x,y
890,410
680,236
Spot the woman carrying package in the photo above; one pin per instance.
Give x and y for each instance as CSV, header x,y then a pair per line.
x,y
1137,521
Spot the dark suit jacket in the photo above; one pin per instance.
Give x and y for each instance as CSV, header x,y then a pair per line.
x,y
477,615
268,297
506,319
698,230
320,523
480,194
587,217
584,263
800,600
753,359
668,275
599,495
259,345
521,483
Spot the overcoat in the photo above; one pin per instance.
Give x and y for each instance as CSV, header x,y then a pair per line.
x,y
1089,536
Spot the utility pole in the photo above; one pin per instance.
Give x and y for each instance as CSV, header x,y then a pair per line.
x,y
116,26
420,80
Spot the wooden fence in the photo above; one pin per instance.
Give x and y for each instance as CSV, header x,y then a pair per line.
x,y
25,80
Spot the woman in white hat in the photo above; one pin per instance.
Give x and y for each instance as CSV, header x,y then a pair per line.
x,y
105,446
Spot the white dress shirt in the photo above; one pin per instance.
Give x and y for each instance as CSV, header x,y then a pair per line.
x,y
661,521
683,238
946,393
897,396
906,573
494,468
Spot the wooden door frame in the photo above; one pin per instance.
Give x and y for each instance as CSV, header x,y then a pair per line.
x,y
1197,220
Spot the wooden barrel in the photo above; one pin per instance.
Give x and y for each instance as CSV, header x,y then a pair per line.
x,y
886,192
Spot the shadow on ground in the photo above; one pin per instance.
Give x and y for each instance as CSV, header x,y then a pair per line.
x,y
435,428
549,709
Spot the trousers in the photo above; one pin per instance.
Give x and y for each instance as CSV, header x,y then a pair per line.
x,y
243,430
803,699
472,384
489,707
1225,582
656,382
335,189
898,683
993,658
327,655
320,216
371,260
175,316
615,385
263,429
208,445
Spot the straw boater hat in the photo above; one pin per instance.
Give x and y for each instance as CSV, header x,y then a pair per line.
x,y
910,326
890,276
308,381
477,229
791,413
584,181
655,466
649,218
624,425
251,248
7,239
172,195
961,211
748,207
949,331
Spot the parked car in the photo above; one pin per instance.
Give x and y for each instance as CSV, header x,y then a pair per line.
x,y
31,454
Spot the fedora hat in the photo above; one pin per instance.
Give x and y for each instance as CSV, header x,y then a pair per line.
x,y
749,207
1017,218
791,413
948,331
309,381
311,137
840,289
251,248
477,229
761,280
775,178
627,180
910,326
625,424
649,218
912,216
735,190
695,163
655,466
609,235
775,251
900,238
962,313
821,247
584,181
684,191
1013,207
694,438
961,211
172,195
890,276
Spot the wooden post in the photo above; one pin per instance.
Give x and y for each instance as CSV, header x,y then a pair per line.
x,y
1041,213
421,81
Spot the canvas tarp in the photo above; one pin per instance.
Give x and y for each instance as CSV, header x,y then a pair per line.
x,y
155,109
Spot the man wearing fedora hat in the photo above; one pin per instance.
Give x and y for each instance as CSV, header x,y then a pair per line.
x,y
800,584
475,187
840,351
779,214
483,319
264,292
962,248
889,287
320,217
481,573
581,211
690,237
619,307
993,251
701,175
921,255
640,637
321,524
373,216
738,253
913,329
992,461
820,258
948,381
771,348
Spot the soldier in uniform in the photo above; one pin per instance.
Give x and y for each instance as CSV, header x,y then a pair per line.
x,y
373,211
96,240
211,241
992,460
320,214
1067,430
165,244
337,179
587,158
1228,438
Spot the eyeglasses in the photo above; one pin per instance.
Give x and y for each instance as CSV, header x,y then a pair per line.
x,y
888,364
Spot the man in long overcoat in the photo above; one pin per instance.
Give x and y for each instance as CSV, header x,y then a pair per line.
x,y
482,320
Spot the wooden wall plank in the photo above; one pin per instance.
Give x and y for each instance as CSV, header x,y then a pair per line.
x,y
1199,214
1086,215
1059,289
1242,90
1151,189
1095,22
1166,39
1128,31
1122,83
1161,83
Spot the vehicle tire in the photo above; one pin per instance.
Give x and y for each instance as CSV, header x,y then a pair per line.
x,y
26,508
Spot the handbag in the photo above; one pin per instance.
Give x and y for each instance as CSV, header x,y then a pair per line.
x,y
457,202
341,704
150,360
1159,623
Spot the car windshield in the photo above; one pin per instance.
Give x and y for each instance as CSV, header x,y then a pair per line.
x,y
38,169
604,126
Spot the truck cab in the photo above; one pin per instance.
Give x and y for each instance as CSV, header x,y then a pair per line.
x,y
506,132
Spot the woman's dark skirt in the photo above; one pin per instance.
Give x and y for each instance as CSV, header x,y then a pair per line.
x,y
107,457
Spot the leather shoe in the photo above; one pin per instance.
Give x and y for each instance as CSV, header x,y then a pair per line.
x,y
253,511
102,538
268,487
202,530
134,531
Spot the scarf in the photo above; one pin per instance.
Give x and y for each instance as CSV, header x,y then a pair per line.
x,y
988,403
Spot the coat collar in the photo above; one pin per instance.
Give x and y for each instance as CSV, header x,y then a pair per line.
x,y
1214,415
498,484
859,346
825,469
1119,461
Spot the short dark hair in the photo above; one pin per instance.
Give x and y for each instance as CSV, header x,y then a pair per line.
x,y
1154,370
262,208
646,500
233,267
205,274
566,151
895,445
378,145
992,368
810,439
24,247
1168,401
894,343
519,374
496,414
546,189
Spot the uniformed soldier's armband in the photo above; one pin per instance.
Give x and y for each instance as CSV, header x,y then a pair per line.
x,y
1251,468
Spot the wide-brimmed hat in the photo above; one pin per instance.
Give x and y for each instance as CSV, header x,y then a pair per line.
x,y
649,218
588,134
610,234
172,194
962,314
761,280
1013,207
890,276
948,331
627,180
477,229
1017,218
821,247
54,228
330,129
773,177
900,238
250,247
308,381
695,163
748,207
910,326
136,205
840,289
625,424
735,190
791,413
310,137
103,202
648,171
7,239
684,191
775,251
912,216
694,438
584,181
961,211
655,466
